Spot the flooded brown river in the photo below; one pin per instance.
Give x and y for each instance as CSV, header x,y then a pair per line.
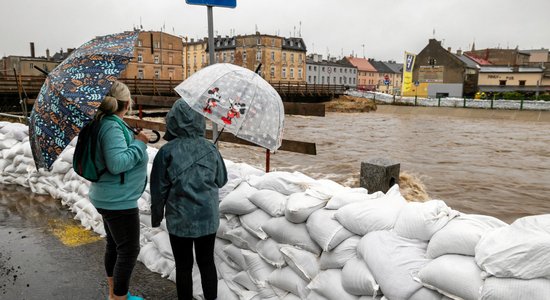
x,y
488,166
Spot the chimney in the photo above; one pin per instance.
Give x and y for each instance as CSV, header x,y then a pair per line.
x,y
449,49
48,54
459,52
32,50
192,40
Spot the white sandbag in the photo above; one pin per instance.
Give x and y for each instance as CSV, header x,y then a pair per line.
x,y
149,256
428,294
291,296
237,202
254,221
286,279
285,232
219,250
235,255
455,276
13,151
461,235
304,263
515,289
324,189
328,284
282,182
4,163
7,143
325,230
357,279
420,220
16,131
224,270
224,292
258,269
244,280
61,167
270,201
339,256
67,155
227,225
314,296
241,238
268,292
378,214
393,260
348,196
520,250
165,266
300,205
270,251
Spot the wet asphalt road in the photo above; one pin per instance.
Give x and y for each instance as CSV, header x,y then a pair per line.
x,y
36,264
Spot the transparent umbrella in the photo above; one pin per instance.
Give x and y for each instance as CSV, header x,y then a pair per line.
x,y
239,100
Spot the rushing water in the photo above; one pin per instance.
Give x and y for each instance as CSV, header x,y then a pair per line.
x,y
486,166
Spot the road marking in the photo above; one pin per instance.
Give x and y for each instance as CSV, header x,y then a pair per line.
x,y
70,234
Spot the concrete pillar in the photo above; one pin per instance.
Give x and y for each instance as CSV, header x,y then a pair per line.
x,y
379,174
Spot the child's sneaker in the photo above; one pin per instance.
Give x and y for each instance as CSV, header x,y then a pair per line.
x,y
130,297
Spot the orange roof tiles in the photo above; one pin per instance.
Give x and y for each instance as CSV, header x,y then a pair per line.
x,y
362,64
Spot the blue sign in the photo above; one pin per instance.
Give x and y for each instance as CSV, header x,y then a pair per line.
x,y
222,3
386,82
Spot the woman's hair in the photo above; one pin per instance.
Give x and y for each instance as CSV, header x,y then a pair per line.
x,y
115,100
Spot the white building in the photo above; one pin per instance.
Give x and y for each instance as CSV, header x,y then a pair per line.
x,y
331,71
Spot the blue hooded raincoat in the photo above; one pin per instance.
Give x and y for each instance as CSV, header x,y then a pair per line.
x,y
187,173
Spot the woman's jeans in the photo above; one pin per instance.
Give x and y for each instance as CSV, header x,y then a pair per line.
x,y
122,228
182,248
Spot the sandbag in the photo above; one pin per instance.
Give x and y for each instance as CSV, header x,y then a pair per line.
x,y
339,256
258,269
393,260
325,230
237,202
461,235
515,289
455,276
253,222
348,196
227,225
244,280
324,189
300,205
520,250
270,251
224,292
162,242
357,279
285,232
271,202
303,262
367,216
286,279
282,182
420,220
235,255
241,238
328,284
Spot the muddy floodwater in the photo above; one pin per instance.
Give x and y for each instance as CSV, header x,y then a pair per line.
x,y
476,165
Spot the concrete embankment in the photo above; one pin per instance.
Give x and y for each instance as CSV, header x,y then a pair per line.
x,y
519,115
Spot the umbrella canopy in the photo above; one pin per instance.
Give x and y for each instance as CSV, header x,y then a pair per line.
x,y
73,91
239,100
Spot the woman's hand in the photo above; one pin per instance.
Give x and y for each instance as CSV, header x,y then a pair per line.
x,y
142,137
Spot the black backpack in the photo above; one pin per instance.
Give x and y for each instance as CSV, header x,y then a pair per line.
x,y
85,152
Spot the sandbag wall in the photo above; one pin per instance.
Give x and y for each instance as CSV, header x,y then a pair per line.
x,y
287,236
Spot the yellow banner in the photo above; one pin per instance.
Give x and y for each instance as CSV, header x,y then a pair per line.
x,y
408,65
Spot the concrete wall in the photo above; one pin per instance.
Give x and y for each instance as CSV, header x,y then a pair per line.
x,y
453,89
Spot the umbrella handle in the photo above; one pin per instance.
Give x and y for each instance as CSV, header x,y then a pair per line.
x,y
219,134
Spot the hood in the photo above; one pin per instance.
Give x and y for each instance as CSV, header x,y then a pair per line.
x,y
183,121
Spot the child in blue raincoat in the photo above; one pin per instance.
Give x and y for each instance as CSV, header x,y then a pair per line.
x,y
187,173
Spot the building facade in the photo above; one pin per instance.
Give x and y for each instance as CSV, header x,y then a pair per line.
x,y
331,71
25,65
511,79
396,76
157,55
367,76
282,59
502,57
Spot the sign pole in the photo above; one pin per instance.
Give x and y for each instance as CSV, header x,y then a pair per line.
x,y
212,58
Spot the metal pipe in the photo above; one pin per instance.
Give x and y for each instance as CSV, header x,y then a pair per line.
x,y
211,51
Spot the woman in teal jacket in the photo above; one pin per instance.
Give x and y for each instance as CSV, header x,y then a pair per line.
x,y
187,173
115,194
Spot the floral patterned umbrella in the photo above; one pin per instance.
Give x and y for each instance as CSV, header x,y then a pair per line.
x,y
73,91
239,100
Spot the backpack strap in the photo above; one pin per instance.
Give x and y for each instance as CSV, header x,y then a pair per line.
x,y
95,126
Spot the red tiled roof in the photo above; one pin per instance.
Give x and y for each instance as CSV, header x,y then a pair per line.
x,y
480,61
362,64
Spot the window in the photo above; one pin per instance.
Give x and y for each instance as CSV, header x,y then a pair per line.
x,y
345,70
194,59
309,79
140,57
334,80
502,82
232,57
157,74
284,57
340,80
170,74
140,43
170,46
272,42
291,43
170,58
158,44
291,73
292,57
272,72
244,57
314,79
258,55
156,59
522,83
283,73
31,65
273,55
258,41
334,70
224,55
340,70
322,79
323,69
233,42
301,58
353,80
309,68
140,74
300,73
314,68
345,80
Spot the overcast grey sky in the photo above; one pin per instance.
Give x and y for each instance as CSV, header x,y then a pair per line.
x,y
385,27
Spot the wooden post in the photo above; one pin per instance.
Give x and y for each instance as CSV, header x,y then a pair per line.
x,y
267,158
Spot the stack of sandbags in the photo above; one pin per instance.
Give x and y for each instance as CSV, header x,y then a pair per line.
x,y
516,260
16,157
